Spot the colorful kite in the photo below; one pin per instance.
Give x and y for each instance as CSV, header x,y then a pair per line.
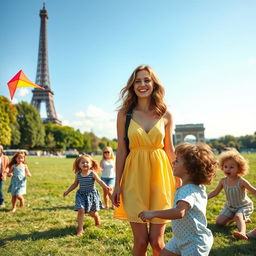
x,y
20,80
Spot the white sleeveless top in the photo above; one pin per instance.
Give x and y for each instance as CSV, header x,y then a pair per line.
x,y
108,169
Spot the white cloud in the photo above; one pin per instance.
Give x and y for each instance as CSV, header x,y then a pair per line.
x,y
96,120
80,114
252,61
23,92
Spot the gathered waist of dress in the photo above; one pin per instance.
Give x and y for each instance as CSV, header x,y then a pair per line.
x,y
150,148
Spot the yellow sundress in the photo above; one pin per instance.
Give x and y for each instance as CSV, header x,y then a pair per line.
x,y
147,181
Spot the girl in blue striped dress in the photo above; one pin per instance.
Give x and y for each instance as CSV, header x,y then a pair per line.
x,y
238,206
87,196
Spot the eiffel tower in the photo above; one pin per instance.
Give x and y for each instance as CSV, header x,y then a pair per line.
x,y
42,75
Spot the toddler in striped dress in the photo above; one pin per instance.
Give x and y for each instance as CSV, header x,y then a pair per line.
x,y
238,206
87,196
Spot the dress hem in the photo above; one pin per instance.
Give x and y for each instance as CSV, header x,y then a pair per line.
x,y
135,220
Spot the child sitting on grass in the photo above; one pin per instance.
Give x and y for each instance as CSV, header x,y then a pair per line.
x,y
238,206
195,165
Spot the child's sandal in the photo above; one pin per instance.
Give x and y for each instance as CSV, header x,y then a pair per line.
x,y
239,235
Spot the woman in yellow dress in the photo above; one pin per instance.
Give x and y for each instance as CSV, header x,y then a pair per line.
x,y
144,178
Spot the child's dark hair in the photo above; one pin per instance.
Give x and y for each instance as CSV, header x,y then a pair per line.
x,y
14,161
199,160
95,164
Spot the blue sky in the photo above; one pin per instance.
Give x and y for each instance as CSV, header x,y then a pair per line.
x,y
203,51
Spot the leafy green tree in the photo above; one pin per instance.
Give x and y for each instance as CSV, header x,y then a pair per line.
x,y
64,137
230,141
15,134
50,143
87,142
31,127
7,117
94,142
113,144
248,141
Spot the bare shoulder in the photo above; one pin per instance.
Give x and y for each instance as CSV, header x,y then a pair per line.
x,y
243,181
94,174
167,117
121,115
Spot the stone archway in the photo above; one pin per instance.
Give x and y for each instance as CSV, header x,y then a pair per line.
x,y
182,130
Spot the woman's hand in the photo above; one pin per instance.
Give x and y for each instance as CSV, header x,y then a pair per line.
x,y
115,198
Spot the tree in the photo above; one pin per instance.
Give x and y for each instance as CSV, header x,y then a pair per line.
x,y
15,133
230,141
87,142
31,127
7,117
94,142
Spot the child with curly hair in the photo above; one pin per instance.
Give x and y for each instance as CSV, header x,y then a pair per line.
x,y
238,206
87,196
196,166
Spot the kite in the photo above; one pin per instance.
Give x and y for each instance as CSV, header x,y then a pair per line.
x,y
20,80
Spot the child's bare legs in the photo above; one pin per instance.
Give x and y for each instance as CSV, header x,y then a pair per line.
x,y
106,198
22,200
80,221
141,239
96,217
14,200
165,252
156,237
240,222
223,220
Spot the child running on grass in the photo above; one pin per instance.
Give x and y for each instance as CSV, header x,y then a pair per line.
x,y
87,196
238,205
195,165
18,170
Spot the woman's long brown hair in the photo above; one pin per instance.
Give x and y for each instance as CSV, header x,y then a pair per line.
x,y
129,98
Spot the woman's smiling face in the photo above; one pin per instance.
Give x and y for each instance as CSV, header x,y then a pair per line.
x,y
143,84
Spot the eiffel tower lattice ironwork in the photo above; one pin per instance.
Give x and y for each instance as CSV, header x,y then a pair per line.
x,y
42,75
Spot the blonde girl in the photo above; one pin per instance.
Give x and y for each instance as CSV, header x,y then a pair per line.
x,y
18,170
108,172
87,196
238,205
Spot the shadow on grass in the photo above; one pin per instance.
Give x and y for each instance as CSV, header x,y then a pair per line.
x,y
248,249
221,229
233,247
43,208
54,208
49,234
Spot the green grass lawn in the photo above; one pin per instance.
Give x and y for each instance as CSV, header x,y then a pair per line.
x,y
47,224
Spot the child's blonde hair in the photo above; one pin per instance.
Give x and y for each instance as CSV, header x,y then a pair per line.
x,y
14,161
238,158
95,165
199,160
111,153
